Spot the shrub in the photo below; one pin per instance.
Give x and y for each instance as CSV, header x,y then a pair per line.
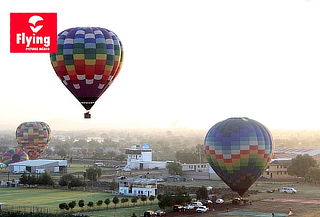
x,y
81,203
99,202
90,204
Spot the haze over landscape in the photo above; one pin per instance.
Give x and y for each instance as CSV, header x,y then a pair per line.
x,y
186,65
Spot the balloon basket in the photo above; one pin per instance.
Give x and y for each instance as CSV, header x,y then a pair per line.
x,y
87,115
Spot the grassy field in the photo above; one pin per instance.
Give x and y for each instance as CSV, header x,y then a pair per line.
x,y
24,199
49,198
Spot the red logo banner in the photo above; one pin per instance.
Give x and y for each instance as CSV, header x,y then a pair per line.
x,y
33,32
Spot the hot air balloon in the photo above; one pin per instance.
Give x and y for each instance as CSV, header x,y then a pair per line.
x,y
87,62
14,155
33,137
238,150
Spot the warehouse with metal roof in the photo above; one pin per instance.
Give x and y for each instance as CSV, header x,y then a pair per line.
x,y
38,166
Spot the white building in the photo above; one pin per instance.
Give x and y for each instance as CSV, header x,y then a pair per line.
x,y
196,167
141,158
199,171
138,187
38,166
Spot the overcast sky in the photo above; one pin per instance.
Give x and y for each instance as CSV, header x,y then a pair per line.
x,y
188,64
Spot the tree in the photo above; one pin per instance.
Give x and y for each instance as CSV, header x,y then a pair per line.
x,y
134,200
186,156
65,179
90,204
313,175
23,179
32,180
75,182
72,204
166,201
45,179
81,203
113,185
93,173
301,164
126,200
70,181
175,168
202,193
107,202
62,206
123,200
115,200
134,215
143,198
99,202
152,198
62,152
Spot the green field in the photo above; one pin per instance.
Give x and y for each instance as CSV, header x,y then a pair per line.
x,y
49,198
24,199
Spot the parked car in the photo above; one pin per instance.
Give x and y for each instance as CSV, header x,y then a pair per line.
x,y
160,213
288,190
207,203
188,207
149,214
178,208
197,204
219,201
270,191
202,209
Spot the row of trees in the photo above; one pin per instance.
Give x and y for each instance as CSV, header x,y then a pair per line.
x,y
42,179
115,200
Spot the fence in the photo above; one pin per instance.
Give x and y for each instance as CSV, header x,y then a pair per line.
x,y
28,209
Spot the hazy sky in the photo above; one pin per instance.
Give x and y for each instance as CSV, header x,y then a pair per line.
x,y
187,64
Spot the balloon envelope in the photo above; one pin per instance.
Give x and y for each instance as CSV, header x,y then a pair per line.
x,y
87,61
14,155
33,137
238,150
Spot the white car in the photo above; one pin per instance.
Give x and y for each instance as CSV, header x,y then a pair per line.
x,y
196,204
188,207
288,190
202,209
219,201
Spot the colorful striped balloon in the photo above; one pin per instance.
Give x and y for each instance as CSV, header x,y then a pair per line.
x,y
33,137
14,155
87,62
239,150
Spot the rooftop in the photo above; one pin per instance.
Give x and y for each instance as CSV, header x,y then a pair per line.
x,y
38,162
139,180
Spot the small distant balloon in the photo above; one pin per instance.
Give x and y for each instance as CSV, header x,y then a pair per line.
x,y
239,150
33,138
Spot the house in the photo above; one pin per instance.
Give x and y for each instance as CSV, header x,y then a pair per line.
x,y
138,187
38,166
278,169
199,171
140,158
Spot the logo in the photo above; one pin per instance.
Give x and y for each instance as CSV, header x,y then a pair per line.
x,y
33,32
